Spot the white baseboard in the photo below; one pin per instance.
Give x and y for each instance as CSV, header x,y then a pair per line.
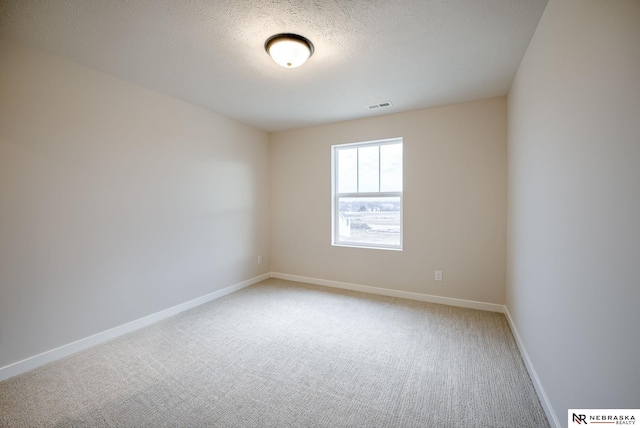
x,y
71,348
542,395
393,293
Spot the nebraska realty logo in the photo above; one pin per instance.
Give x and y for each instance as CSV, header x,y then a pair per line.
x,y
603,416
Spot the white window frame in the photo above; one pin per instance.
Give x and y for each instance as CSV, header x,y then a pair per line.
x,y
335,195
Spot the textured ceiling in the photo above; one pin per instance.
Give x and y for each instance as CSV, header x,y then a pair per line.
x,y
414,53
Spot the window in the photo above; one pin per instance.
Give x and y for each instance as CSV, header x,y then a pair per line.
x,y
367,194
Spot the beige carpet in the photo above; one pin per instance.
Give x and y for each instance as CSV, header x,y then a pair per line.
x,y
284,354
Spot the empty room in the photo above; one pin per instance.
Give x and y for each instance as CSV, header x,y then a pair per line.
x,y
320,213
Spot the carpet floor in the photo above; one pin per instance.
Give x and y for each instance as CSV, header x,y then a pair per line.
x,y
285,354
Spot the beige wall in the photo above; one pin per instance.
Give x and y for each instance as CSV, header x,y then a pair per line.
x,y
574,204
454,202
116,202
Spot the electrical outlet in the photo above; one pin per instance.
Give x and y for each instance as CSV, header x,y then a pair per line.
x,y
439,275
259,260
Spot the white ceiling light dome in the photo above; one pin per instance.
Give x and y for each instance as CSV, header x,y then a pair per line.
x,y
289,50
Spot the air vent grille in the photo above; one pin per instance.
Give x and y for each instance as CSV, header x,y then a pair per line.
x,y
379,105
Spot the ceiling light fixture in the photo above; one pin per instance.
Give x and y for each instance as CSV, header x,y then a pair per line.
x,y
289,50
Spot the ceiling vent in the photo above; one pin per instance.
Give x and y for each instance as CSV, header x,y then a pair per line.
x,y
381,105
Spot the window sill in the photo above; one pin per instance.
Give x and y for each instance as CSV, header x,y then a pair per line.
x,y
367,247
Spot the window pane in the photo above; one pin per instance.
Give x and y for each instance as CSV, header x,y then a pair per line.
x,y
391,168
348,170
369,221
368,169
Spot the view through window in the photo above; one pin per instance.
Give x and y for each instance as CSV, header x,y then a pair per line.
x,y
367,194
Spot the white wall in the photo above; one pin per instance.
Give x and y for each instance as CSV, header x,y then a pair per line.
x,y
116,202
574,204
454,202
